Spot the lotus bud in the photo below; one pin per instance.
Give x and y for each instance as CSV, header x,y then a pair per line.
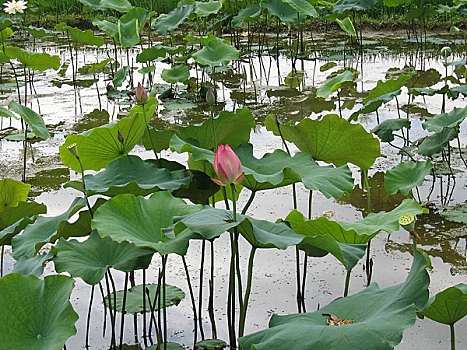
x,y
74,150
407,221
210,98
141,95
120,137
446,51
227,166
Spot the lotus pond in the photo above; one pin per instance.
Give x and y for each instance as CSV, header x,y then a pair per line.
x,y
335,219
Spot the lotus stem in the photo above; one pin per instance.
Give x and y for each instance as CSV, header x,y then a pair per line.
x,y
192,297
299,288
213,128
122,323
85,191
144,308
347,283
305,268
200,296
105,309
158,296
164,312
88,319
211,296
453,337
25,149
149,134
250,200
109,304
243,310
135,315
153,318
1,261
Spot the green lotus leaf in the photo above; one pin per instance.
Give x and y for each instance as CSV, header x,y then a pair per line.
x,y
211,344
216,53
42,231
90,260
423,78
455,91
130,174
204,9
128,33
332,140
456,213
134,298
110,28
169,22
285,12
33,60
379,318
246,14
168,345
160,139
393,3
302,6
150,54
327,235
176,74
448,306
446,120
12,192
118,5
34,120
14,219
140,221
33,266
99,146
385,129
199,190
355,5
120,76
35,314
211,222
231,128
39,32
346,25
7,114
92,68
405,176
334,84
84,36
5,22
435,143
140,14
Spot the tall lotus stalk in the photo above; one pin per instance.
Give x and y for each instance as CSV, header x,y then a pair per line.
x,y
73,148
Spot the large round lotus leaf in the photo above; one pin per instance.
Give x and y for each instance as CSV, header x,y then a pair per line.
x,y
80,227
210,344
33,60
134,298
446,120
199,190
33,266
377,319
216,53
35,314
385,129
128,33
246,14
43,230
133,175
109,28
119,5
354,5
160,139
177,74
12,192
285,12
435,143
457,213
448,306
374,104
99,146
323,233
211,222
334,84
331,139
302,6
140,221
405,176
204,9
84,36
91,259
34,120
168,22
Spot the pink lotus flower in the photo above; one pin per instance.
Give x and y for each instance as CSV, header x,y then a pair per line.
x,y
141,95
227,166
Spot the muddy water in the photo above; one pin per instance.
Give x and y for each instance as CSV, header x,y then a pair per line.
x,y
267,91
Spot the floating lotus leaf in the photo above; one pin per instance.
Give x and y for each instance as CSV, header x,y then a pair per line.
x,y
385,129
84,36
91,259
405,176
457,213
35,314
131,174
14,219
211,222
353,5
246,14
448,306
168,345
211,344
169,22
34,120
12,192
134,298
304,7
435,143
204,9
99,146
285,12
216,53
324,234
377,319
33,266
446,120
92,68
334,84
424,78
177,74
42,231
331,139
140,221
33,60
